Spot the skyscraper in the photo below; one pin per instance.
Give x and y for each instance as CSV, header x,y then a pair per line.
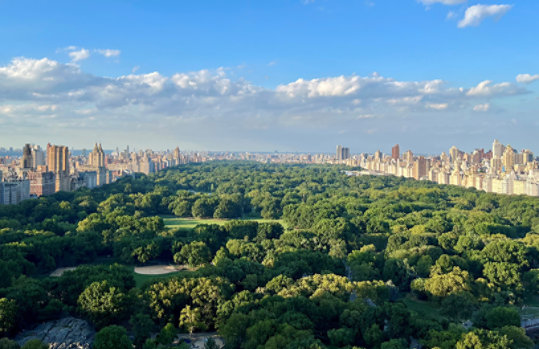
x,y
38,157
26,162
58,162
343,153
395,152
508,158
454,153
497,149
97,157
57,158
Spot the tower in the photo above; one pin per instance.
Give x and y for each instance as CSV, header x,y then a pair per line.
x,y
497,149
58,162
508,158
26,162
339,152
395,152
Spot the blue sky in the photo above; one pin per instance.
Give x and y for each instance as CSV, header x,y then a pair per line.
x,y
297,75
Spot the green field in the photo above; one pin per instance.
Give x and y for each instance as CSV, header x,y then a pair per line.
x,y
191,222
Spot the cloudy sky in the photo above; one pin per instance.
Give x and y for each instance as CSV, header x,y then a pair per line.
x,y
296,75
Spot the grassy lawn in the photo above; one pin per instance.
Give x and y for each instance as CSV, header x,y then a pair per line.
x,y
191,222
425,309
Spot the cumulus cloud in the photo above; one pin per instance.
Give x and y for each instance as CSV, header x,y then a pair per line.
x,y
482,107
487,89
210,105
444,2
438,106
475,14
108,52
527,78
79,55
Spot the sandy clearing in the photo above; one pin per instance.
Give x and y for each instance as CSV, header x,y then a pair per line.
x,y
159,269
60,271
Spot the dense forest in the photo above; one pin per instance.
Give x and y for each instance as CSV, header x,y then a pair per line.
x,y
338,261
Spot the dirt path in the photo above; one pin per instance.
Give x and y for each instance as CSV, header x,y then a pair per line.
x,y
60,271
159,269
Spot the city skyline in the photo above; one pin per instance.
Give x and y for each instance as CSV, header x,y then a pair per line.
x,y
296,76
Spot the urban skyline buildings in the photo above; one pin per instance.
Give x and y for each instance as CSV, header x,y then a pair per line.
x,y
501,169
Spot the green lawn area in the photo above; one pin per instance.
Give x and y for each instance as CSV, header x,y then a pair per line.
x,y
191,222
425,309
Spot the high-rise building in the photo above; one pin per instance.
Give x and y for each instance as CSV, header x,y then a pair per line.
x,y
497,149
420,168
408,156
454,153
395,152
26,162
508,158
527,156
97,157
343,153
57,158
58,162
14,191
38,157
42,183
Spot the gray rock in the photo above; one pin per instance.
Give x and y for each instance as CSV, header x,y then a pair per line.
x,y
66,333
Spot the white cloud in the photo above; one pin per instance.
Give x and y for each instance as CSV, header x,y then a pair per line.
x,y
444,2
487,89
475,14
108,52
209,105
79,55
527,78
438,106
482,107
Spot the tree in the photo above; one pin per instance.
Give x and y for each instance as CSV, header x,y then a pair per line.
x,y
6,343
442,285
112,337
35,344
8,316
373,336
483,339
502,316
518,336
103,304
194,254
395,344
211,344
167,334
203,208
190,319
458,305
142,326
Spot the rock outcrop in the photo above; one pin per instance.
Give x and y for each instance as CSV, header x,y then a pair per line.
x,y
66,333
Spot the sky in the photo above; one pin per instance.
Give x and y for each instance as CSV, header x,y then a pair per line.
x,y
295,75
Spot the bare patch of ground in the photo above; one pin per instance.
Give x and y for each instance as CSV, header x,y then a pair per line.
x,y
60,271
159,269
